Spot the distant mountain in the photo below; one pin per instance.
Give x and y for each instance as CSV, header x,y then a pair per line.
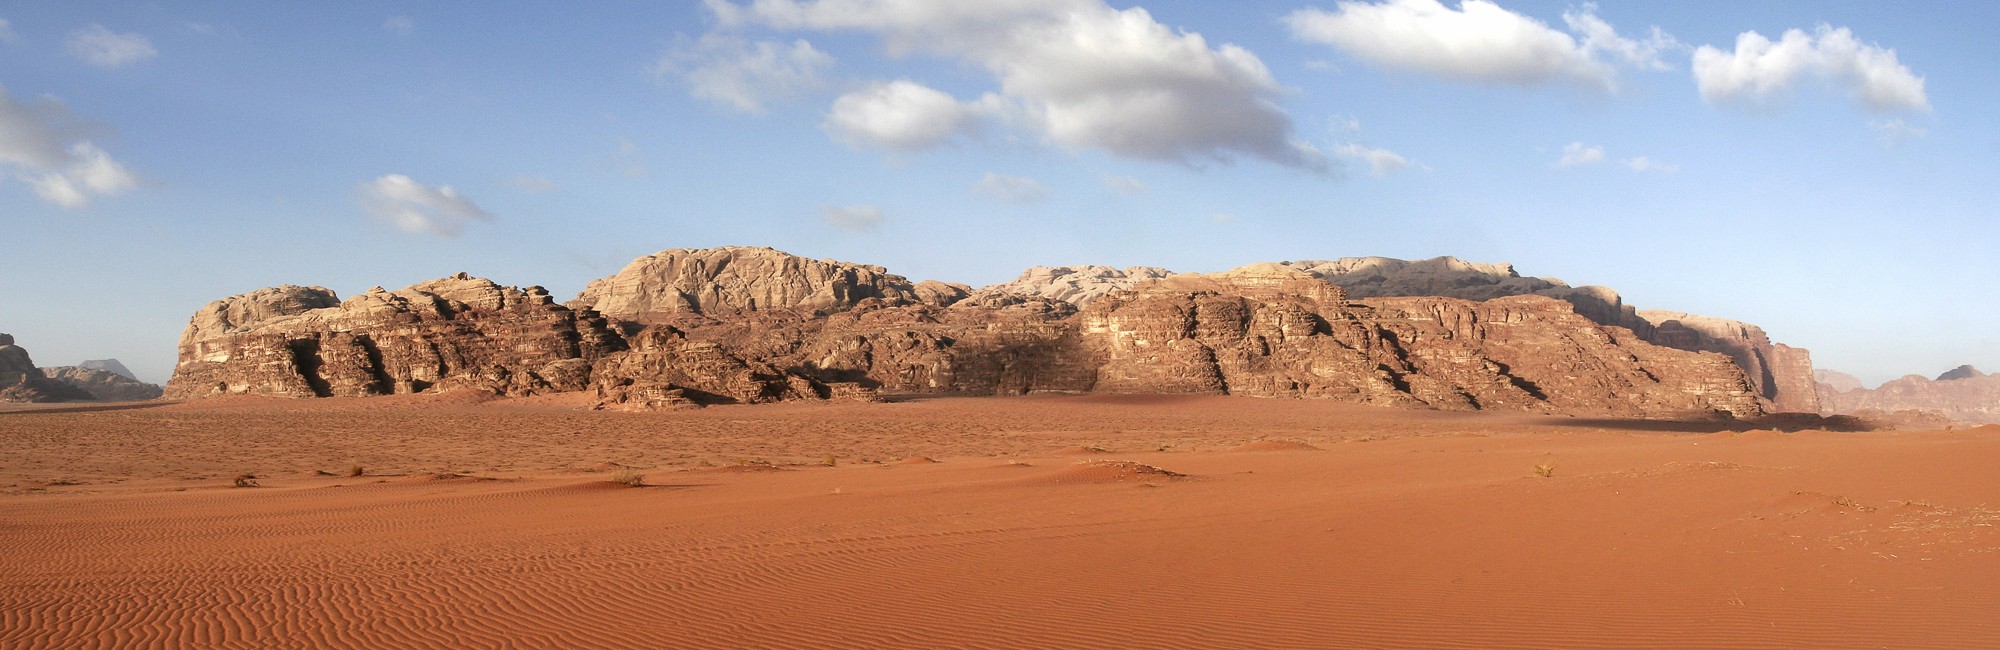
x,y
21,381
109,365
1961,372
1963,394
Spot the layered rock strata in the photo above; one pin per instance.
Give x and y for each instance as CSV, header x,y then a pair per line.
x,y
458,331
749,325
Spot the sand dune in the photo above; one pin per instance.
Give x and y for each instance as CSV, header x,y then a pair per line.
x,y
497,525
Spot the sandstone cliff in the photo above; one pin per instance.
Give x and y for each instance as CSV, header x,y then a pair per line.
x,y
452,332
749,325
1781,373
103,385
674,285
21,381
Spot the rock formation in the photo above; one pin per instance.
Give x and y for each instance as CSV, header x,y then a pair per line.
x,y
676,285
1781,373
1962,394
1076,285
750,325
1961,372
103,385
452,332
1834,382
21,381
111,366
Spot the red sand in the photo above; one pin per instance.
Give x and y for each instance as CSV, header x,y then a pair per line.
x,y
1406,529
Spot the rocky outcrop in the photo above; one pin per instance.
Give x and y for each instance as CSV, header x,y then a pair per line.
x,y
1450,277
1962,394
679,285
1831,382
112,366
1961,372
752,325
1076,285
453,332
1781,373
21,381
1274,330
103,385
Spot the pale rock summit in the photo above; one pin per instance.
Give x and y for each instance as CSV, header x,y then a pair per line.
x,y
1961,372
675,284
1076,285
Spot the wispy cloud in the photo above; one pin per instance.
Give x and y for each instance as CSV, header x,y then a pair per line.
x,y
743,75
418,208
852,218
1012,189
1760,72
107,49
44,145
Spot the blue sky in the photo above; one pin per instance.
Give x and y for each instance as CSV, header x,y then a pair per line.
x,y
1835,187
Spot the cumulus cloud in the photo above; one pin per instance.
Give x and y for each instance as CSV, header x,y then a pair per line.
x,y
1077,72
744,75
416,207
1481,42
1012,189
1577,154
1381,162
1761,72
1123,184
106,49
852,218
900,115
43,145
399,25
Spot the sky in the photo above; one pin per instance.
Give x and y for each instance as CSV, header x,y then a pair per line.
x,y
1825,170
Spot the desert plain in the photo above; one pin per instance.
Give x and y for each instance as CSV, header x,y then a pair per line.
x,y
449,520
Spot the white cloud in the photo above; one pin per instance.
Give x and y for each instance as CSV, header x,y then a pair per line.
x,y
1643,164
1012,189
1078,72
418,208
1123,184
1761,72
103,48
1896,132
744,75
1480,42
7,32
1575,153
43,144
532,184
1381,162
400,25
852,218
900,115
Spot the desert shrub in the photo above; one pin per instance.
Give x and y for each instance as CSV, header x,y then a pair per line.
x,y
246,480
629,477
356,470
1546,470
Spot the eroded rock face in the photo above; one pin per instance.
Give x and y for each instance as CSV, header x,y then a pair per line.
x,y
1274,330
1963,397
1781,373
103,385
1076,285
455,332
673,285
21,381
740,325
